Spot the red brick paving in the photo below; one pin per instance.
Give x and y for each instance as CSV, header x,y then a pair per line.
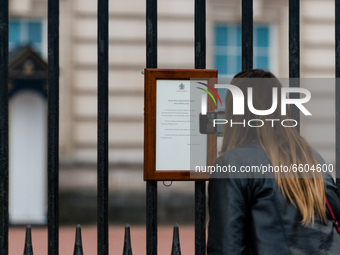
x,y
89,237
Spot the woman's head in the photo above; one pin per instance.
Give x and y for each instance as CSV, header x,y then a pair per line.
x,y
262,91
282,143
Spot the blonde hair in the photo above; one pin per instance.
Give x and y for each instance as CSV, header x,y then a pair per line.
x,y
283,145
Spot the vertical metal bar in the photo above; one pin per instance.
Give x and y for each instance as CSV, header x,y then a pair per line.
x,y
200,63
151,186
53,127
200,217
200,34
151,33
4,127
294,54
151,217
247,34
103,135
337,90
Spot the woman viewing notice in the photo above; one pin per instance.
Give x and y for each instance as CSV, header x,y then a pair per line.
x,y
280,212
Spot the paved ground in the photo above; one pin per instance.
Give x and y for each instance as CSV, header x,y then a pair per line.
x,y
89,237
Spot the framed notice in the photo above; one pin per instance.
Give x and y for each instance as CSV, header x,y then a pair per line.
x,y
174,146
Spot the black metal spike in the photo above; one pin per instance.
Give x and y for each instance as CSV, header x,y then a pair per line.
x,y
28,250
78,247
127,241
176,248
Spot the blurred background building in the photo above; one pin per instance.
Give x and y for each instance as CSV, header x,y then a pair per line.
x,y
78,86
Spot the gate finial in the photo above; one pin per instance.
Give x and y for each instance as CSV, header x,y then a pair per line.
x,y
127,241
176,248
28,250
78,247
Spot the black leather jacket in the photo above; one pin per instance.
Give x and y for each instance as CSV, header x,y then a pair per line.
x,y
251,216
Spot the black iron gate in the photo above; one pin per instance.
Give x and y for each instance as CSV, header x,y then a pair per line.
x,y
151,62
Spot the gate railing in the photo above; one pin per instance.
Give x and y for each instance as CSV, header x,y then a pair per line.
x,y
4,127
151,62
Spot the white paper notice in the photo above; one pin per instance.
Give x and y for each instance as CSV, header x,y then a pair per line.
x,y
177,128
